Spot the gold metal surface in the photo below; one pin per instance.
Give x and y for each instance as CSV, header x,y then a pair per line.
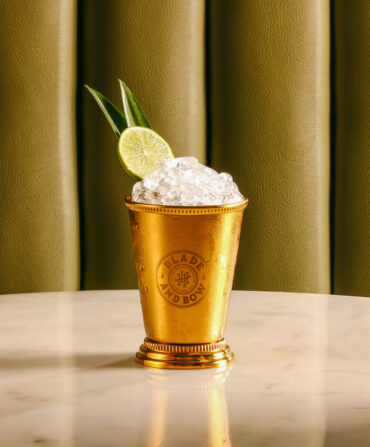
x,y
185,260
186,356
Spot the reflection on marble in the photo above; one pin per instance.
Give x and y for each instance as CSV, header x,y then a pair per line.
x,y
194,402
68,378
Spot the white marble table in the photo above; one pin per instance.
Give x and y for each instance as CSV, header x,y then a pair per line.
x,y
301,375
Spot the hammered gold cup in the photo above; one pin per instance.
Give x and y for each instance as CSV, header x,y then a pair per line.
x,y
185,260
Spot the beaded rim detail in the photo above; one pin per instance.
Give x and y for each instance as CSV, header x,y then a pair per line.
x,y
167,209
186,349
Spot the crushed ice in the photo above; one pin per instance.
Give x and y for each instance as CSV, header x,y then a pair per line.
x,y
186,182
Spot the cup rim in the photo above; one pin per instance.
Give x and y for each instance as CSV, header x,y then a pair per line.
x,y
171,209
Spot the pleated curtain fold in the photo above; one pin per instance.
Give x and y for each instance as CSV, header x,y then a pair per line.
x,y
351,145
39,217
270,125
157,48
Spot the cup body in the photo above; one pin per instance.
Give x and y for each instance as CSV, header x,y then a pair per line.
x,y
185,260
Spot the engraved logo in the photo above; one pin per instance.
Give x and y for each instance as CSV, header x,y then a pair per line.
x,y
181,278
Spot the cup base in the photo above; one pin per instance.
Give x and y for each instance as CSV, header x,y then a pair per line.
x,y
184,356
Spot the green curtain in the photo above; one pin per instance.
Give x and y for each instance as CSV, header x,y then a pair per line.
x,y
272,92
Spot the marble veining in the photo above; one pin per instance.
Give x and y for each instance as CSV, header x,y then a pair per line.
x,y
301,375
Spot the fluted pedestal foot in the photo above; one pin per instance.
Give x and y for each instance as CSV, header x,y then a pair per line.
x,y
182,356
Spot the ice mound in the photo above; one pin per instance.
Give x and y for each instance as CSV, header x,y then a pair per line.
x,y
186,182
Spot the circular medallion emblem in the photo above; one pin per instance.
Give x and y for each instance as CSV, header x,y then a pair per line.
x,y
181,278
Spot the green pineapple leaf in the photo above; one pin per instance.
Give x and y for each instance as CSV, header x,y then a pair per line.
x,y
113,115
133,112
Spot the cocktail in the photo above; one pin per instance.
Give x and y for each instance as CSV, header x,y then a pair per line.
x,y
185,220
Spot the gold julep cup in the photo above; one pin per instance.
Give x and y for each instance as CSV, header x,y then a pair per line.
x,y
185,260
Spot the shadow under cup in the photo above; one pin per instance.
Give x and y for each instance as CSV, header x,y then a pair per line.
x,y
185,260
